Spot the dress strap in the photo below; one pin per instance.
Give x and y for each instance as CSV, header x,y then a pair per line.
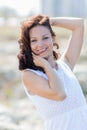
x,y
62,62
38,72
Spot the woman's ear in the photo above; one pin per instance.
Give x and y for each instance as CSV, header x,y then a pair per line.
x,y
55,43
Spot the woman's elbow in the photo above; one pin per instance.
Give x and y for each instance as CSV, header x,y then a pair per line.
x,y
81,23
61,97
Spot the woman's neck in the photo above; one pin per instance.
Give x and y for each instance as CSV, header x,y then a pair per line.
x,y
52,62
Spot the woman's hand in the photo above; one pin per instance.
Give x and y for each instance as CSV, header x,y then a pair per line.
x,y
44,18
39,61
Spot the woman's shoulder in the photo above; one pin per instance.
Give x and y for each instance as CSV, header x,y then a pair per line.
x,y
32,72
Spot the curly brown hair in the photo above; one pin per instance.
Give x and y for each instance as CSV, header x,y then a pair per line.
x,y
25,55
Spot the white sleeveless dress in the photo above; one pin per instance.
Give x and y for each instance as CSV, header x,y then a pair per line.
x,y
69,114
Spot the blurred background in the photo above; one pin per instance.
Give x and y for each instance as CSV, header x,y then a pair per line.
x,y
16,111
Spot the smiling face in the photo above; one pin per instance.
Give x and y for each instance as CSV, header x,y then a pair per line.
x,y
41,41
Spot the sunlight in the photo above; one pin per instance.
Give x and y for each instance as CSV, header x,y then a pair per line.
x,y
22,7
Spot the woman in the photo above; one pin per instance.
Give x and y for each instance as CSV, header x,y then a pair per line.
x,y
49,80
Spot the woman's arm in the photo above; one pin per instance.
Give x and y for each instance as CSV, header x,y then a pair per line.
x,y
76,25
53,88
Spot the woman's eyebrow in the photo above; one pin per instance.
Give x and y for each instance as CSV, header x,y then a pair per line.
x,y
32,37
45,35
42,36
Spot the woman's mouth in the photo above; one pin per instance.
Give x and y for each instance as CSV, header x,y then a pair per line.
x,y
38,52
42,50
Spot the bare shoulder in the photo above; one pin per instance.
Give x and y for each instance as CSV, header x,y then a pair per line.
x,y
34,82
29,76
25,74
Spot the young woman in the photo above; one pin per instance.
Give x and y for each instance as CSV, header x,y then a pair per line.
x,y
49,80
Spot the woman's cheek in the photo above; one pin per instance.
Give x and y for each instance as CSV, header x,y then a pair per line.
x,y
33,47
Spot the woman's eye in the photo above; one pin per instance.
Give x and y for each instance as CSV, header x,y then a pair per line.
x,y
33,40
45,38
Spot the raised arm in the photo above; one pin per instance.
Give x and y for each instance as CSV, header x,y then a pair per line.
x,y
76,25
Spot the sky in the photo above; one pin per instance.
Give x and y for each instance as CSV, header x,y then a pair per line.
x,y
23,7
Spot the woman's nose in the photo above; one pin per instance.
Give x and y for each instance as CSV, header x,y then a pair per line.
x,y
40,43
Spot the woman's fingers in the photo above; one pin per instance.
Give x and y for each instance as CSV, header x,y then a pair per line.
x,y
34,55
44,19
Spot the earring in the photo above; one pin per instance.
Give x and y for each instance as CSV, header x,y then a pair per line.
x,y
55,44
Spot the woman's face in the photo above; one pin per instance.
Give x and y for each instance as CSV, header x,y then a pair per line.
x,y
41,41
